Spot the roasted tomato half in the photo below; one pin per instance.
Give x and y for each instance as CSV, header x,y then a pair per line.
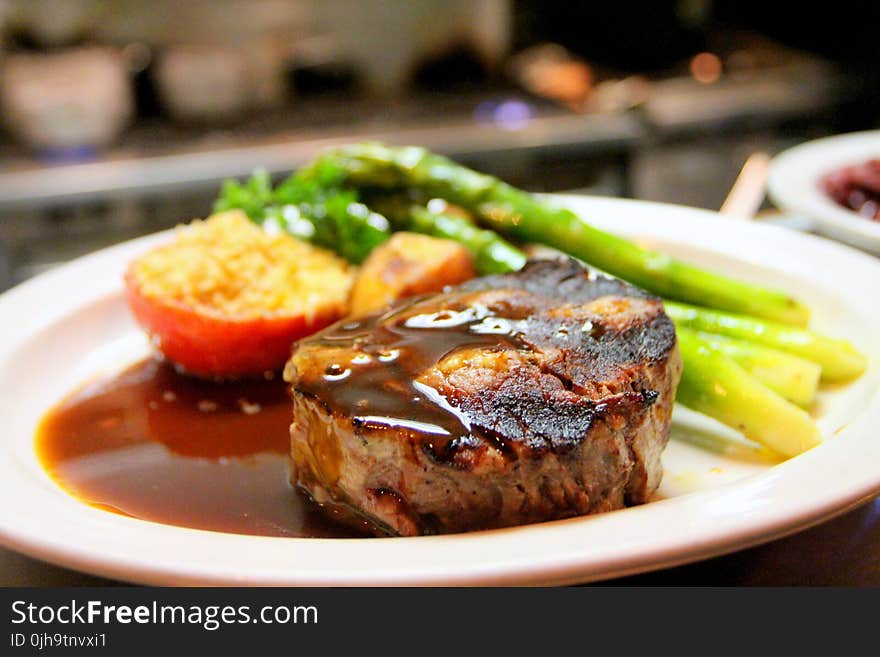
x,y
225,299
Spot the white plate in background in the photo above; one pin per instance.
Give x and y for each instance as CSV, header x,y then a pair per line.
x,y
66,325
793,184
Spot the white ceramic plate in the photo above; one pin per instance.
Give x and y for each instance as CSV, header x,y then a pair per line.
x,y
793,185
71,323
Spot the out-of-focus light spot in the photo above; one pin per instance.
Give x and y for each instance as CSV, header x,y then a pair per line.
x,y
506,114
706,67
512,115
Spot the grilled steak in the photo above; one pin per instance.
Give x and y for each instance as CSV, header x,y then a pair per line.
x,y
511,399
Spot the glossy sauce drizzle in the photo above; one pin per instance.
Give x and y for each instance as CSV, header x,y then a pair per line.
x,y
156,445
373,365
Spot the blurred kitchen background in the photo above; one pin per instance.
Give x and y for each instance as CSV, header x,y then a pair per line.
x,y
122,117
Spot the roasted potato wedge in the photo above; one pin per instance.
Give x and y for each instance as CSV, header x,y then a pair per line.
x,y
405,265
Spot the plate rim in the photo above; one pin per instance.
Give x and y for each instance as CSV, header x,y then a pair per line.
x,y
793,177
566,566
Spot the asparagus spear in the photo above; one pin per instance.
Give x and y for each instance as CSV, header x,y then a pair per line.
x,y
523,217
838,358
790,376
714,384
491,253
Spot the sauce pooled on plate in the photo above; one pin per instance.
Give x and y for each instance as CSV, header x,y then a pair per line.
x,y
154,444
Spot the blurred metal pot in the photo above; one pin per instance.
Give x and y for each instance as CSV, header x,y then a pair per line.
x,y
76,98
203,81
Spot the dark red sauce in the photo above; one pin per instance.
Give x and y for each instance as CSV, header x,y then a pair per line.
x,y
857,188
157,445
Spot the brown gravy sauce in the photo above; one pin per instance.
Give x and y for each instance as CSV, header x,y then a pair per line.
x,y
153,444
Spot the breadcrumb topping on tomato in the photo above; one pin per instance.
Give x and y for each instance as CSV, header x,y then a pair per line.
x,y
227,299
227,265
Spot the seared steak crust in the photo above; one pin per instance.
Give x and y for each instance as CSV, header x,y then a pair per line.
x,y
515,398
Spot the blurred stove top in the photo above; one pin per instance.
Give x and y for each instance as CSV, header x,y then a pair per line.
x,y
162,173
